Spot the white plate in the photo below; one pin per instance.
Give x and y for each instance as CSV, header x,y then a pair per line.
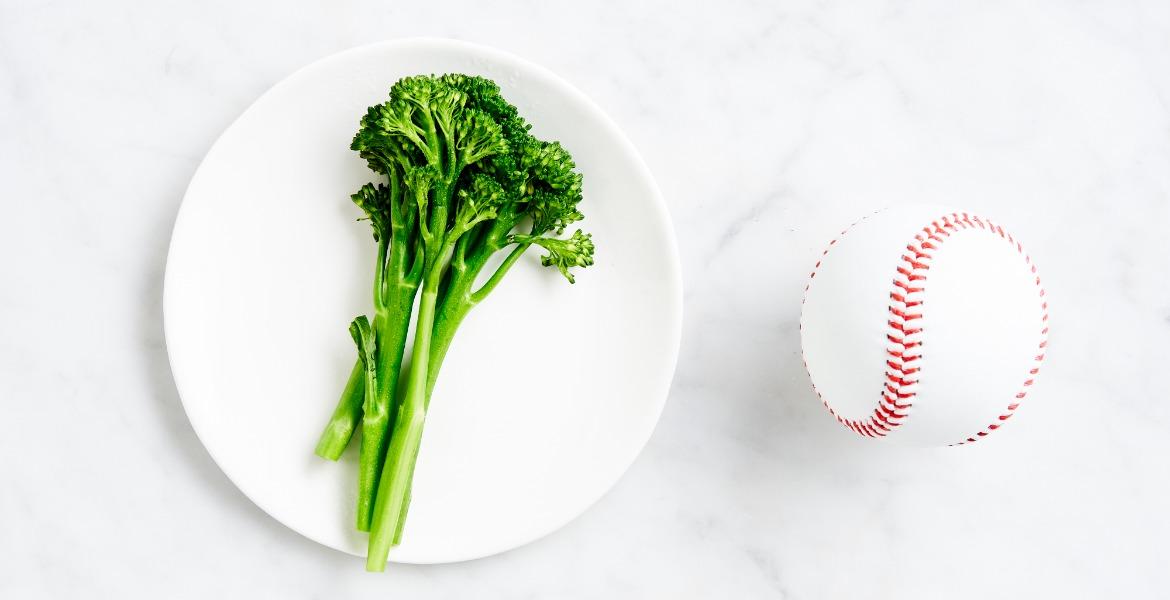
x,y
550,390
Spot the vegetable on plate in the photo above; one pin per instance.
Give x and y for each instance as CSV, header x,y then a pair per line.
x,y
461,181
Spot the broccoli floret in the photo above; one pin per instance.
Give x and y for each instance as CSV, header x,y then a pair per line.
x,y
576,251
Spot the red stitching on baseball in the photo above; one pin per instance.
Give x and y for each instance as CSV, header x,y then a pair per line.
x,y
904,298
988,225
903,337
871,427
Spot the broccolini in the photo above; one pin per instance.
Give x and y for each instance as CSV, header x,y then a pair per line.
x,y
464,179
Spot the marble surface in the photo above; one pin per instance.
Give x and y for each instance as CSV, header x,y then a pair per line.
x,y
769,127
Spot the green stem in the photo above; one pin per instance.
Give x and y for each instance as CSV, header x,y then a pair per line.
x,y
456,304
390,337
433,337
348,413
406,437
502,270
345,417
455,307
450,316
380,277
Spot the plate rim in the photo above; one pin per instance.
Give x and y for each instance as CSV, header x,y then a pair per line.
x,y
673,277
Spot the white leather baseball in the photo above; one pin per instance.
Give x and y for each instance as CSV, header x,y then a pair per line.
x,y
924,324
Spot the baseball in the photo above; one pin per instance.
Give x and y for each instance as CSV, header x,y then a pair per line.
x,y
925,325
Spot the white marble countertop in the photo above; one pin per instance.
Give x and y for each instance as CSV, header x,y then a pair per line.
x,y
768,128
